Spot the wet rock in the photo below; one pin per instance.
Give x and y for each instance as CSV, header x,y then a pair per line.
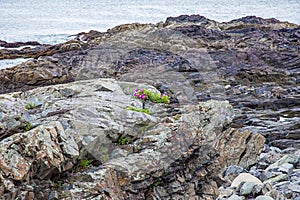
x,y
18,44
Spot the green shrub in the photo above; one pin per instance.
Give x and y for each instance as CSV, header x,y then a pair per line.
x,y
123,140
83,164
144,110
30,105
26,126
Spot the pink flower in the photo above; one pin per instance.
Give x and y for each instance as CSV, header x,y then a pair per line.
x,y
143,96
134,94
140,96
163,95
142,90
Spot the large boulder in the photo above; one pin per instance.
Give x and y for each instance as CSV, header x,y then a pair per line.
x,y
175,152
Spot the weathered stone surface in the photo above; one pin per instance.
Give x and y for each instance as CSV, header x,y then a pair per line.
x,y
252,62
245,177
33,154
256,59
166,155
247,188
280,177
243,155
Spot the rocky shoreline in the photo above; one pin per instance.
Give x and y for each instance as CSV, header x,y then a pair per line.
x,y
234,111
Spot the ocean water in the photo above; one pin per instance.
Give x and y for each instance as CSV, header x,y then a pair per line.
x,y
54,21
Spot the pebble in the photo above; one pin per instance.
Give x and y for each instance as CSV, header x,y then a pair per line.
x,y
286,168
235,197
278,170
295,188
225,192
265,175
263,197
275,194
247,188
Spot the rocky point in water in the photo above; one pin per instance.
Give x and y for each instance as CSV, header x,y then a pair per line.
x,y
66,131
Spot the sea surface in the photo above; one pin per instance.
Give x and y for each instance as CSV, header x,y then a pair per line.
x,y
54,21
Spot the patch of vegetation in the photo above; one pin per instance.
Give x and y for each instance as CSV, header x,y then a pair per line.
x,y
83,164
176,117
15,96
123,140
56,185
154,185
30,105
144,110
26,126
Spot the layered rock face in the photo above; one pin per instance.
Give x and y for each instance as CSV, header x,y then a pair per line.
x,y
252,62
249,67
175,152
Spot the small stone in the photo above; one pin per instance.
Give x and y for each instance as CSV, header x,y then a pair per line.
x,y
282,183
275,149
262,165
29,188
266,188
281,161
276,195
295,188
227,87
245,177
265,175
257,189
30,196
286,168
254,172
53,195
66,187
246,188
263,197
232,170
225,192
235,197
281,177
